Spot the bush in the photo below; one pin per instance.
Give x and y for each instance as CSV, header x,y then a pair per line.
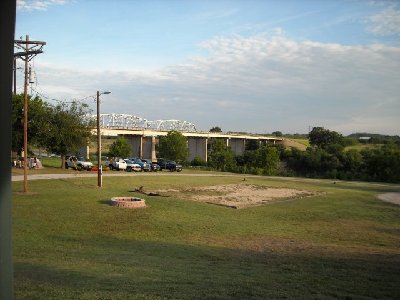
x,y
198,161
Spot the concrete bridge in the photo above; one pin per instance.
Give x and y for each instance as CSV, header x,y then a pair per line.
x,y
143,142
143,135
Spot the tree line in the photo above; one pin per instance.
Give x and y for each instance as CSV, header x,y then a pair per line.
x,y
326,157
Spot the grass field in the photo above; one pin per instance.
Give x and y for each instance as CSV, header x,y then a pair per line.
x,y
360,147
70,244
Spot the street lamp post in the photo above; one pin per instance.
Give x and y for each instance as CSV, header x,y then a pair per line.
x,y
99,166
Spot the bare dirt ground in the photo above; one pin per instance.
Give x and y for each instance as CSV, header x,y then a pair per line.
x,y
390,197
236,195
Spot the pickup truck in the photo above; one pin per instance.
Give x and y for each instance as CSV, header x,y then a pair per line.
x,y
117,164
78,163
132,166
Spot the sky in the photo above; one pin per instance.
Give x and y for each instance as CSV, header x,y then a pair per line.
x,y
254,66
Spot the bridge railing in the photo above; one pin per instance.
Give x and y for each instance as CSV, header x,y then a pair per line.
x,y
125,121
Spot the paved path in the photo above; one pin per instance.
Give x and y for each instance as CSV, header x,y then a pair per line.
x,y
82,175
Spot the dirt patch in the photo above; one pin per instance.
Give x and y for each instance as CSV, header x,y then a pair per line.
x,y
390,197
237,195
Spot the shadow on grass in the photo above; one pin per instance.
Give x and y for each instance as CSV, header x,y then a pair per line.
x,y
113,268
105,201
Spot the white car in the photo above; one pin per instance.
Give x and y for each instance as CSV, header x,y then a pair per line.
x,y
117,164
132,166
78,163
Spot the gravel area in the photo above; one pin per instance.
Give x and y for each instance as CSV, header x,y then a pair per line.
x,y
390,197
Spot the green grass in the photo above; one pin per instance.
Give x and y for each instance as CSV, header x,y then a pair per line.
x,y
304,142
70,244
360,147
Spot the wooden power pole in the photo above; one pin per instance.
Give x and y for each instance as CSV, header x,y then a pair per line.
x,y
31,49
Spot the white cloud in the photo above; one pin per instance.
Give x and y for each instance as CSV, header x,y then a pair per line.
x,y
30,5
386,22
255,84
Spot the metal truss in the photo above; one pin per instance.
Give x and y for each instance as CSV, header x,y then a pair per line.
x,y
125,121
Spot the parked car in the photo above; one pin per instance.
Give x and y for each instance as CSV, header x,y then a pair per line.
x,y
169,165
154,167
173,166
144,165
117,164
132,166
78,163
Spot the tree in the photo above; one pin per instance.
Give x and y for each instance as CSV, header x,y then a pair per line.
x,y
216,129
277,133
173,146
221,156
322,138
120,148
268,159
252,144
38,112
68,128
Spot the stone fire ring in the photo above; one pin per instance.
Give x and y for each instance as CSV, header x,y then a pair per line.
x,y
128,202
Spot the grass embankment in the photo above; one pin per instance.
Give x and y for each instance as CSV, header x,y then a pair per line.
x,y
70,244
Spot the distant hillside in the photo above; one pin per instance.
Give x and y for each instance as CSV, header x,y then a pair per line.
x,y
372,135
375,138
295,144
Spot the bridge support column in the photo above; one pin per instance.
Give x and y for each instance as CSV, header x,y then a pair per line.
x,y
153,149
136,142
84,151
237,145
197,147
147,147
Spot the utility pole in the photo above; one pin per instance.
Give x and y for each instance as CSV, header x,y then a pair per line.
x,y
31,48
15,76
99,166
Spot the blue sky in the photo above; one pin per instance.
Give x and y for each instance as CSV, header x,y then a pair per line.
x,y
255,66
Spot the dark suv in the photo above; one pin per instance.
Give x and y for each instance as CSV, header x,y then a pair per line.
x,y
169,165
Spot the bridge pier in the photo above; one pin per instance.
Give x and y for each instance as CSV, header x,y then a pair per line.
x,y
147,150
84,152
197,147
237,145
142,146
153,149
136,142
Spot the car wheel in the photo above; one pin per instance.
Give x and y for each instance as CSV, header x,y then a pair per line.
x,y
66,166
111,167
129,169
79,167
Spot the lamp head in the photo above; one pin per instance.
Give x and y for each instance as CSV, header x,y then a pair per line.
x,y
105,93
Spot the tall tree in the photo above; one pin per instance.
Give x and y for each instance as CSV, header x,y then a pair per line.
x,y
173,146
68,128
268,159
38,113
221,156
120,148
322,138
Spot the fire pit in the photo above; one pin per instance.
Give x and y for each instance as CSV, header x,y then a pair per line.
x,y
128,202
